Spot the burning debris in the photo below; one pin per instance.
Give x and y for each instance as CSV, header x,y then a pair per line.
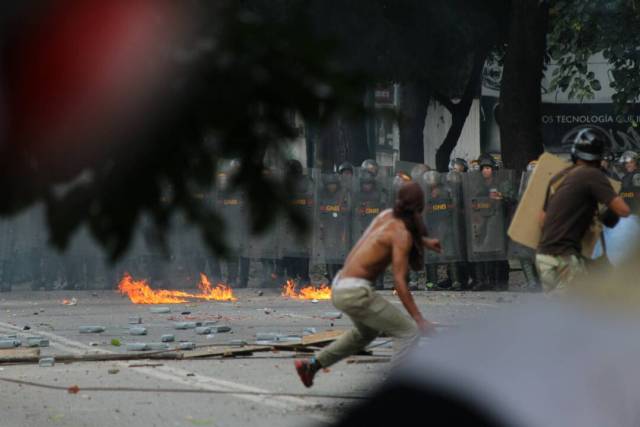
x,y
139,292
307,293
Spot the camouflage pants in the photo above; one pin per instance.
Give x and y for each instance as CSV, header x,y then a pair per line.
x,y
371,315
558,271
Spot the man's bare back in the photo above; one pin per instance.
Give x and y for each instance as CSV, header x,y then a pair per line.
x,y
372,253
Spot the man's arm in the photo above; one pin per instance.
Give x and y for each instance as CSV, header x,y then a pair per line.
x,y
432,244
541,218
401,246
619,207
603,192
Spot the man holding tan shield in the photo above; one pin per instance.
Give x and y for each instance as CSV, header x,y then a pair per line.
x,y
570,207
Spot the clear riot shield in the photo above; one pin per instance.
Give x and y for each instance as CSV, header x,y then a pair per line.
x,y
370,196
443,215
331,220
487,200
292,244
231,206
516,250
7,240
630,191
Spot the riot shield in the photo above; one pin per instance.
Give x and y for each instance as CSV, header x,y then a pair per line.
x,y
370,196
487,200
630,191
7,237
517,250
292,244
331,220
443,215
266,245
231,206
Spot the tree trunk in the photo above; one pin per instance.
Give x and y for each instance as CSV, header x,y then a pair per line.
x,y
342,140
459,112
413,110
520,104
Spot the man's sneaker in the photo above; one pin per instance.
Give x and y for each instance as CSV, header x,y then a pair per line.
x,y
305,372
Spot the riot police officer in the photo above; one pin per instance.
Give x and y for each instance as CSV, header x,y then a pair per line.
x,y
231,205
489,197
630,190
459,165
607,163
345,169
294,263
371,167
332,224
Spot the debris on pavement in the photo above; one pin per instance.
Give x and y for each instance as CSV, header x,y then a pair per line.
x,y
72,301
203,330
37,342
185,325
186,346
46,362
113,371
332,315
168,338
136,346
116,342
9,343
160,310
155,346
92,329
138,330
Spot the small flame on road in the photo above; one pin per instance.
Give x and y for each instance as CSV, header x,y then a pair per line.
x,y
209,293
139,292
307,293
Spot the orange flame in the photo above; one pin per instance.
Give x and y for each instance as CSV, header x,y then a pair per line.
x,y
219,293
307,293
139,292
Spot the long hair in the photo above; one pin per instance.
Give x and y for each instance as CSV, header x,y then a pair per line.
x,y
408,207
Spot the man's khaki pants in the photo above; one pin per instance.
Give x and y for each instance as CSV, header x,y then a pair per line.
x,y
558,271
371,315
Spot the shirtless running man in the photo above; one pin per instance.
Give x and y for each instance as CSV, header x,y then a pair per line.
x,y
396,237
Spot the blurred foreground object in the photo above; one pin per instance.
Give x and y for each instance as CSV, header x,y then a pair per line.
x,y
569,362
111,109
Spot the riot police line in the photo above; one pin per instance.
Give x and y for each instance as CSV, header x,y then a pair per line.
x,y
469,210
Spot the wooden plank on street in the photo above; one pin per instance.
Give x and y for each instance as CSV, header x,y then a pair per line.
x,y
19,355
225,351
321,338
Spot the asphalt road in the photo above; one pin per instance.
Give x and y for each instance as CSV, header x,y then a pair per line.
x,y
270,373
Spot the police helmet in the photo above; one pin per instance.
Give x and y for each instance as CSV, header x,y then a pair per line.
x,y
293,167
458,161
431,178
487,160
532,165
628,156
345,166
399,180
588,145
418,170
370,166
